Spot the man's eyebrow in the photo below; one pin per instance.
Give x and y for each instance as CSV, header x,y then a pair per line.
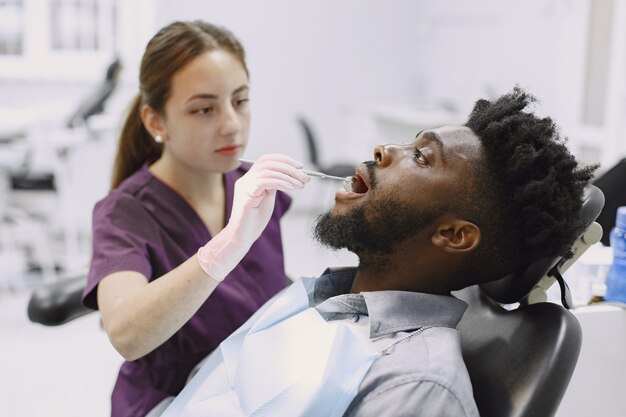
x,y
434,138
207,96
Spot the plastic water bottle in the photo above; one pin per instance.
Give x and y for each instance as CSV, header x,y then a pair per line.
x,y
616,279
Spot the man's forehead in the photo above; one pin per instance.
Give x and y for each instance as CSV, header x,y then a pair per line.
x,y
452,131
455,140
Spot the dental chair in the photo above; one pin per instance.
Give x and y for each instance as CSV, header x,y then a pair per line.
x,y
521,350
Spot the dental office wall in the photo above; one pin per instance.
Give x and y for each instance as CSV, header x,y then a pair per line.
x,y
362,71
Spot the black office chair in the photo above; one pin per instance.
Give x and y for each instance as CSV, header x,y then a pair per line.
x,y
337,170
58,302
521,359
93,104
613,184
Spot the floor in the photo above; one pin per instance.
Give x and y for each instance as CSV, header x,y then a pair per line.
x,y
69,371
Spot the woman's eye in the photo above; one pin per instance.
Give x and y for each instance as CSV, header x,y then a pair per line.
x,y
419,157
242,101
205,110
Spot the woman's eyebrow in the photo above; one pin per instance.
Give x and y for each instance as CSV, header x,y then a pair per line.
x,y
204,96
207,96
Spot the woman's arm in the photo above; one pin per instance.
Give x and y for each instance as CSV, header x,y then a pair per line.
x,y
139,316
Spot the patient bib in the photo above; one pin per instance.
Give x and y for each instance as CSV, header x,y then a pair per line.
x,y
286,361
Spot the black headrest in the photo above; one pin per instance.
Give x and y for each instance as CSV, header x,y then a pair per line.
x,y
515,286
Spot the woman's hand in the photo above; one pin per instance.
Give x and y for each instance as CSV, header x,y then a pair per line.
x,y
255,194
253,204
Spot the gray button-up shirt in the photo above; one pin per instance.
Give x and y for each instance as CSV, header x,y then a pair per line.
x,y
421,375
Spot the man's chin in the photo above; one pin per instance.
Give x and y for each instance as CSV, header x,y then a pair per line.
x,y
333,230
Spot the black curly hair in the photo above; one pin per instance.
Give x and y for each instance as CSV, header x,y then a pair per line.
x,y
528,193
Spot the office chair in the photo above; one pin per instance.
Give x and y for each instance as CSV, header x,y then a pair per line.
x,y
613,184
58,302
29,183
520,360
94,103
337,170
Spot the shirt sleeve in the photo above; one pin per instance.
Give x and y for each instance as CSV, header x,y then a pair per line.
x,y
119,242
407,397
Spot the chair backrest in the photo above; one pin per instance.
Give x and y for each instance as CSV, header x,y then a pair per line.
x,y
520,360
612,183
310,141
94,103
340,169
57,303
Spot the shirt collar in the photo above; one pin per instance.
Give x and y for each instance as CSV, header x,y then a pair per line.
x,y
388,311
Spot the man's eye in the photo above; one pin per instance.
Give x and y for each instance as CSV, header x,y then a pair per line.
x,y
419,157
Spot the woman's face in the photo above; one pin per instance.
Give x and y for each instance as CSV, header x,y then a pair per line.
x,y
207,114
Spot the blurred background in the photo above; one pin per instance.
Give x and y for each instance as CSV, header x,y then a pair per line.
x,y
344,76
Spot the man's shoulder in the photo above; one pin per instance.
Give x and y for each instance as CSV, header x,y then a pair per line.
x,y
420,373
434,353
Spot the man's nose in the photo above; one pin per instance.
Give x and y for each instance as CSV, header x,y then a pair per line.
x,y
384,154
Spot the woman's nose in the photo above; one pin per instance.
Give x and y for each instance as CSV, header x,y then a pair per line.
x,y
229,123
383,154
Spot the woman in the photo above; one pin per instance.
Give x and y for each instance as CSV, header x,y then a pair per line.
x,y
160,287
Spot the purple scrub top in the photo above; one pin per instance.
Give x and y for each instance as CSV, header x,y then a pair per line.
x,y
145,226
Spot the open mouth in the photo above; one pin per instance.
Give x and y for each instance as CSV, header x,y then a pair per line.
x,y
358,185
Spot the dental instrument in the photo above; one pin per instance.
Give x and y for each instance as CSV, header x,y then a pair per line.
x,y
347,181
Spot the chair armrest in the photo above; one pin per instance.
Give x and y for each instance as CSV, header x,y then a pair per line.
x,y
58,302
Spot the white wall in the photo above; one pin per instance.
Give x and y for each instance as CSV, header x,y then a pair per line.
x,y
339,62
320,58
314,58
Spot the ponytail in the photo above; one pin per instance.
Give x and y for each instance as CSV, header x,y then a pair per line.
x,y
135,148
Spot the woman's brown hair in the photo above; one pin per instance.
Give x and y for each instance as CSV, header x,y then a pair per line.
x,y
169,50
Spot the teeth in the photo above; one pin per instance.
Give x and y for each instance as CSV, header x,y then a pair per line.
x,y
347,184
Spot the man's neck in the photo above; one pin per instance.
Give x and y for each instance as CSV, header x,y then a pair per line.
x,y
401,273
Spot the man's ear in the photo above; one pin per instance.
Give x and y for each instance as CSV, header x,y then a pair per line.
x,y
456,236
152,121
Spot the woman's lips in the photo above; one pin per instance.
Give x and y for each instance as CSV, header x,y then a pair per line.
x,y
228,150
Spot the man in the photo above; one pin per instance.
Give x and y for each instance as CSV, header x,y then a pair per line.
x,y
458,206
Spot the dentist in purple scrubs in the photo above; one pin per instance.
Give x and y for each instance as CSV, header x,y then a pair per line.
x,y
187,245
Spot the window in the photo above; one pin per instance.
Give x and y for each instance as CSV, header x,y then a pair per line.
x,y
74,25
58,39
11,27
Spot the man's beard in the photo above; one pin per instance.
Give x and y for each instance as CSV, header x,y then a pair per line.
x,y
368,230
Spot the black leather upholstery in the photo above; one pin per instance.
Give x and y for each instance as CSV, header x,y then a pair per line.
x,y
520,360
57,303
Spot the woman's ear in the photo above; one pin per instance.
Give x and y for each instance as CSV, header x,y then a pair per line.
x,y
152,121
457,236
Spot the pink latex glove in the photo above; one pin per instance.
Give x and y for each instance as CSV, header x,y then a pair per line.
x,y
253,204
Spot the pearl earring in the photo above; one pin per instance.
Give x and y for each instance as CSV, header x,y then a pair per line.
x,y
158,139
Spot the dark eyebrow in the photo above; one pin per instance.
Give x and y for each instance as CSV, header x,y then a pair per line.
x,y
434,138
214,96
